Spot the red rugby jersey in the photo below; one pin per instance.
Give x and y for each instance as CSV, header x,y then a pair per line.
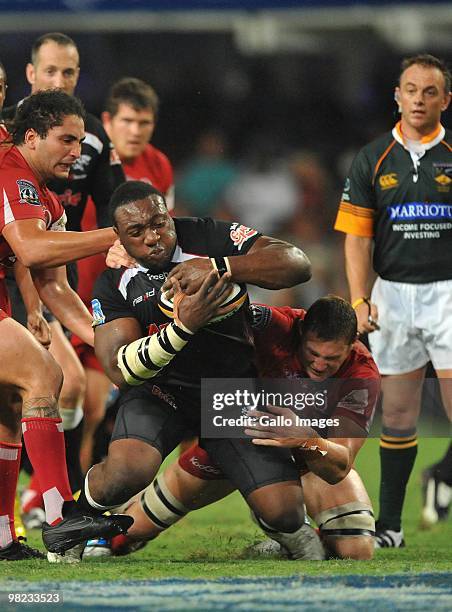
x,y
276,341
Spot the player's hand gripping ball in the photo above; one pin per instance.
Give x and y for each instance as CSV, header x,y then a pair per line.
x,y
231,304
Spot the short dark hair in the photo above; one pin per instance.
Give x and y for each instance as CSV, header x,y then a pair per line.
x,y
331,318
43,111
427,61
131,191
134,92
56,37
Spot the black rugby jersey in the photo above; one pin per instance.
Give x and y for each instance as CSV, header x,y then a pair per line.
x,y
223,349
405,204
96,173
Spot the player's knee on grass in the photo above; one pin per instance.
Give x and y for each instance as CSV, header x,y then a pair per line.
x,y
348,530
359,548
278,506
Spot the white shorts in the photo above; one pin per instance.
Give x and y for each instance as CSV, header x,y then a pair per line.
x,y
416,326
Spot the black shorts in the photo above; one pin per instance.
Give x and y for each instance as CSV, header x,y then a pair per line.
x,y
160,416
163,416
18,309
250,467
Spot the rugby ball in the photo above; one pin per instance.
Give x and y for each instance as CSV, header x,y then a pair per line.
x,y
232,303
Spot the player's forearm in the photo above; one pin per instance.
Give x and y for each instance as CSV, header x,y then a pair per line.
x,y
67,307
358,265
332,467
276,265
27,288
52,249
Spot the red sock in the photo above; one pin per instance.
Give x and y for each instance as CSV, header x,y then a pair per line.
x,y
44,440
31,497
9,472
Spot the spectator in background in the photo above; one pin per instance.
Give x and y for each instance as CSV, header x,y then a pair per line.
x,y
202,183
264,193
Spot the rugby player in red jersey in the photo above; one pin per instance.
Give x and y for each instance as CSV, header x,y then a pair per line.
x,y
47,134
320,345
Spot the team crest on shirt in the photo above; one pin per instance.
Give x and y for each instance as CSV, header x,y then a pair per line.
x,y
443,176
239,234
28,194
98,315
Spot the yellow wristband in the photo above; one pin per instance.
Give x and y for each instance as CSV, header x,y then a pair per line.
x,y
359,301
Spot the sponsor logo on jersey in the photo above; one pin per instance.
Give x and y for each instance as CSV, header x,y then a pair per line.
x,y
143,298
98,315
420,210
239,234
388,181
356,400
69,198
28,194
159,277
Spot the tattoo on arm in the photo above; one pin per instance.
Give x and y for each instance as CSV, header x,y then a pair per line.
x,y
40,407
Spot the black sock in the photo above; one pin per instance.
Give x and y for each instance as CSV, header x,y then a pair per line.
x,y
398,450
443,469
73,441
84,507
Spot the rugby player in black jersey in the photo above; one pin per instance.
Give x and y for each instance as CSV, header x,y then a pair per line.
x,y
159,361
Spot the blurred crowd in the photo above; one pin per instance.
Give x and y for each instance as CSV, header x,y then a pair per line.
x,y
290,194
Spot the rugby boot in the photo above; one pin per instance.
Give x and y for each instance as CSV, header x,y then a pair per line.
x,y
77,529
437,496
388,538
18,551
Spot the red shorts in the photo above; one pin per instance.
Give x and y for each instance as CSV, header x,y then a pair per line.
x,y
3,315
86,354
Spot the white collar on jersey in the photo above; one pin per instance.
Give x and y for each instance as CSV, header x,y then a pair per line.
x,y
419,147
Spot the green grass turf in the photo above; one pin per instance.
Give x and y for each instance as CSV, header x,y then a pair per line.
x,y
210,543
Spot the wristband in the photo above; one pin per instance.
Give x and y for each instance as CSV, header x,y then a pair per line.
x,y
221,265
359,301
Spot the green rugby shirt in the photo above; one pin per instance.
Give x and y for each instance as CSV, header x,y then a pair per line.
x,y
404,204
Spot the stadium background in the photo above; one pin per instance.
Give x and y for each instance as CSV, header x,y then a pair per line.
x,y
293,86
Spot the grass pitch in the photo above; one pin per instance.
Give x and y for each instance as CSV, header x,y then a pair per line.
x,y
210,543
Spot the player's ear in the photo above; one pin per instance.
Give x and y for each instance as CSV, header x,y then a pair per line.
x,y
397,98
30,73
447,99
30,138
106,120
